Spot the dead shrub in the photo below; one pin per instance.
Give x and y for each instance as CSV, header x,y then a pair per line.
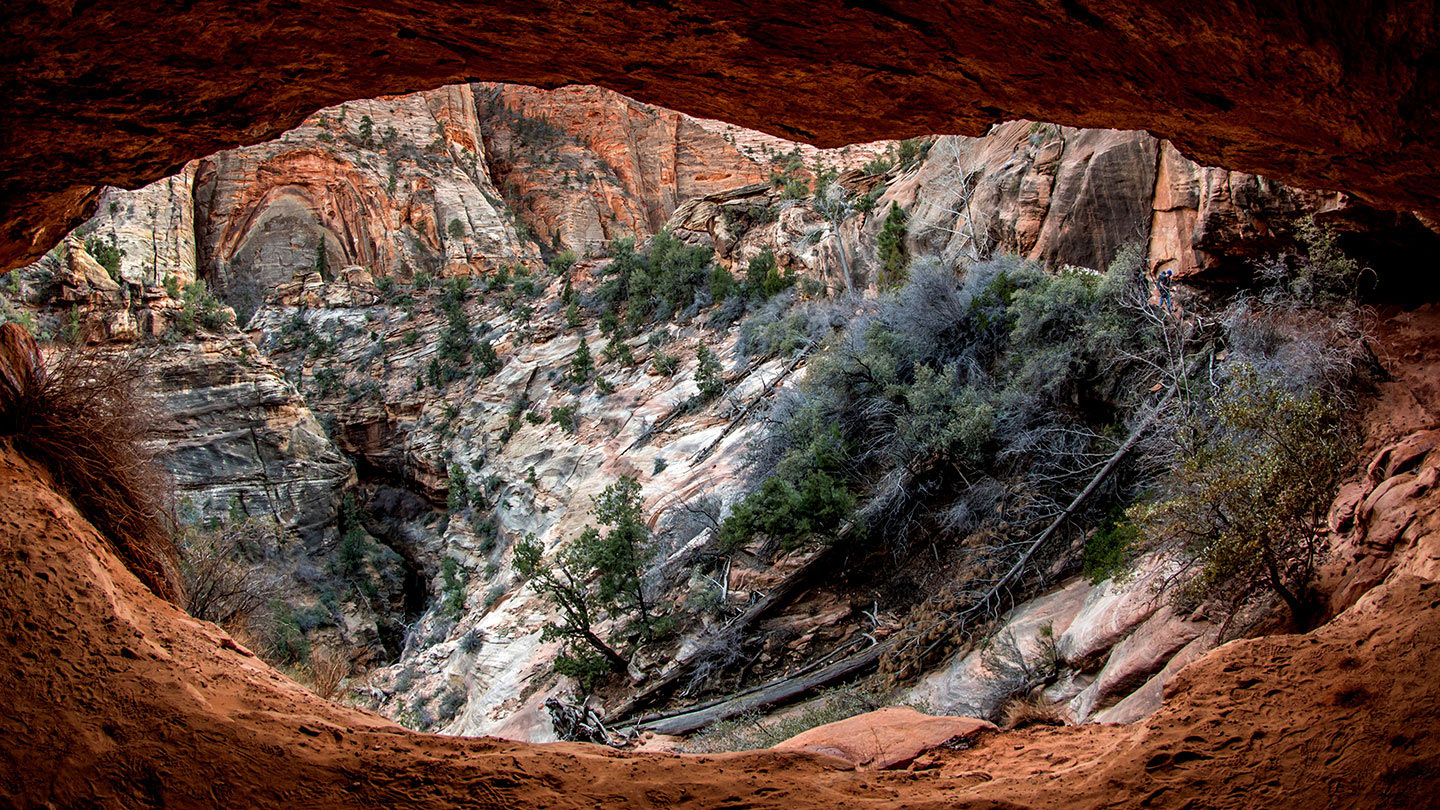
x,y
77,414
1023,712
223,572
328,669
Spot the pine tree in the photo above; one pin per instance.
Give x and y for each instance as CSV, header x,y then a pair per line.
x,y
582,365
709,376
891,245
320,264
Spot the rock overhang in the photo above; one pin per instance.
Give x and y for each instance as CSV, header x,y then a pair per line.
x,y
1319,94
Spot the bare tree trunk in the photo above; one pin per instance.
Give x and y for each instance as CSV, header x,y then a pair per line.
x,y
614,659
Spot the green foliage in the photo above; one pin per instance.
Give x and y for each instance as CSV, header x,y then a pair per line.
x,y
890,245
582,364
879,164
709,376
106,253
327,380
804,497
1110,549
617,349
912,150
456,229
657,284
572,315
600,570
583,664
72,326
620,554
563,261
722,284
609,322
565,416
286,644
459,489
488,359
1325,275
453,580
560,580
1245,509
763,279
199,308
923,383
456,342
321,265
665,364
172,287
367,127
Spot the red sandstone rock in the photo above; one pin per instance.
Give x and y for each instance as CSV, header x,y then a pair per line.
x,y
1327,95
891,737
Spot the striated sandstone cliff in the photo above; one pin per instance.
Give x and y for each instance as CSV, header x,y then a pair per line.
x,y
361,342
1058,195
398,186
584,165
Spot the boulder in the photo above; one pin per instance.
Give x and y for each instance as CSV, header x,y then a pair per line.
x,y
885,739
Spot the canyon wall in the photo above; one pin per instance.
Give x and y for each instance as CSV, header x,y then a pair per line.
x,y
340,247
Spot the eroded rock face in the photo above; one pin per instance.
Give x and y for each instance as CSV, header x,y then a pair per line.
x,y
1060,196
585,165
399,186
1327,96
96,657
424,257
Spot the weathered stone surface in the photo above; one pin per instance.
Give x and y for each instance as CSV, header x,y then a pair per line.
x,y
396,186
584,165
1141,654
966,686
887,738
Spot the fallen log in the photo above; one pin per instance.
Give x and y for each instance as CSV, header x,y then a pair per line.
x,y
768,694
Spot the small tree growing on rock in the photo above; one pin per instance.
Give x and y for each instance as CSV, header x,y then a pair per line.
x,y
617,558
560,581
709,376
621,554
582,365
891,246
1244,511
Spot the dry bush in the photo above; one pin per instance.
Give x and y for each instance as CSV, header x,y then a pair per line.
x,y
223,582
76,413
328,669
1022,712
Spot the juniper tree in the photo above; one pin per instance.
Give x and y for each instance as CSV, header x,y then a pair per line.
x,y
709,376
560,580
891,247
582,365
620,554
1244,511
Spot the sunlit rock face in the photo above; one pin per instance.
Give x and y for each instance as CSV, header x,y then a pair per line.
x,y
585,165
398,186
